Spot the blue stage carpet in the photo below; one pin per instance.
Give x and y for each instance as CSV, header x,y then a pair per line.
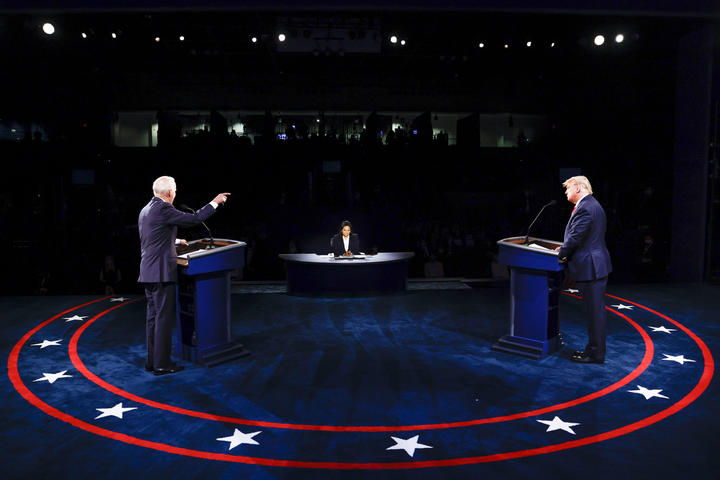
x,y
365,387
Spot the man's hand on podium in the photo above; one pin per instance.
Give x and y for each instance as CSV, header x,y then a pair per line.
x,y
221,198
180,241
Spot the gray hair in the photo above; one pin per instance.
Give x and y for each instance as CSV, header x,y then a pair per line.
x,y
163,185
579,181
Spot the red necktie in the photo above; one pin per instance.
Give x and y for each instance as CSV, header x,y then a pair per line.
x,y
573,210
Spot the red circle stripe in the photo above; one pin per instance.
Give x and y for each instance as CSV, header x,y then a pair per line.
x,y
77,362
689,398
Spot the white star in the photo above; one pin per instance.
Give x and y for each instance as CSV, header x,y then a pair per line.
x,y
47,343
677,358
663,329
648,394
74,318
51,377
572,290
557,424
409,445
238,438
624,307
116,411
118,299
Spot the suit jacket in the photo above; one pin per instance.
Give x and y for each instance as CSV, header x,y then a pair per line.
x,y
584,242
338,247
158,224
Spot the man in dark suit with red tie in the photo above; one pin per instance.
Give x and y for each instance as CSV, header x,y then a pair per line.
x,y
158,224
587,263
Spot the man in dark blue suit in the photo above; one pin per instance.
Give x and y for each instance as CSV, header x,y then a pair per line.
x,y
587,263
158,224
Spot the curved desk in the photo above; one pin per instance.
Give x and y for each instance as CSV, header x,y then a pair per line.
x,y
311,273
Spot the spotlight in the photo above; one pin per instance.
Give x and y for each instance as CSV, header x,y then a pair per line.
x,y
281,37
619,38
48,28
507,46
599,40
113,35
393,39
402,42
529,44
481,45
253,39
157,39
182,38
552,45
84,35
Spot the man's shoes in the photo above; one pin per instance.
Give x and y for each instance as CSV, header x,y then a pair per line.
x,y
165,371
586,359
578,353
148,368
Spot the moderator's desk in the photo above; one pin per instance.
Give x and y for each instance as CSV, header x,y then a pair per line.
x,y
308,273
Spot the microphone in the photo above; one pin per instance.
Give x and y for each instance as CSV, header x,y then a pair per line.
x,y
552,202
188,209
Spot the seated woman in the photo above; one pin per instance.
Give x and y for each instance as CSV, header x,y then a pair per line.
x,y
345,243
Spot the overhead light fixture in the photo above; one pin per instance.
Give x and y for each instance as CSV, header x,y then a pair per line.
x,y
393,39
253,39
281,37
619,38
402,42
182,38
529,44
157,39
113,35
599,40
48,28
83,35
481,45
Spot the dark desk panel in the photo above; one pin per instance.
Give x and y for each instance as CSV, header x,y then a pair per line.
x,y
308,273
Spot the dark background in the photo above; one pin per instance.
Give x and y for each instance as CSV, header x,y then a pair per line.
x,y
618,114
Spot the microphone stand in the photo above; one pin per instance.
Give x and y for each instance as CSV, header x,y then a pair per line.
x,y
552,202
212,241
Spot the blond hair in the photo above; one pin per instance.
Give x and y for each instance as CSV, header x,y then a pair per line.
x,y
580,181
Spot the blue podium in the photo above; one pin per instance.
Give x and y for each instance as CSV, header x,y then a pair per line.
x,y
203,301
535,283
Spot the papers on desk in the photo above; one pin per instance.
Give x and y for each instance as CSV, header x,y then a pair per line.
x,y
539,247
350,257
191,254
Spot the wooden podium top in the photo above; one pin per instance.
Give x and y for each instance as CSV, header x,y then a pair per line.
x,y
201,248
534,244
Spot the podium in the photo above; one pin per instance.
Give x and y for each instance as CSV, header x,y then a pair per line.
x,y
203,301
535,283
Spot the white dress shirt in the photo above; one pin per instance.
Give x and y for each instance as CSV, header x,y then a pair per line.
x,y
346,242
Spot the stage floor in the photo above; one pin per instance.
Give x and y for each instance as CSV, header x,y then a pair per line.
x,y
395,386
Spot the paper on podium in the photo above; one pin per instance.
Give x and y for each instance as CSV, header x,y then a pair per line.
x,y
539,247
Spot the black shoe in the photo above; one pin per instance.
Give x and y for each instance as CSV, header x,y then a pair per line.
x,y
165,371
578,353
586,359
148,368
